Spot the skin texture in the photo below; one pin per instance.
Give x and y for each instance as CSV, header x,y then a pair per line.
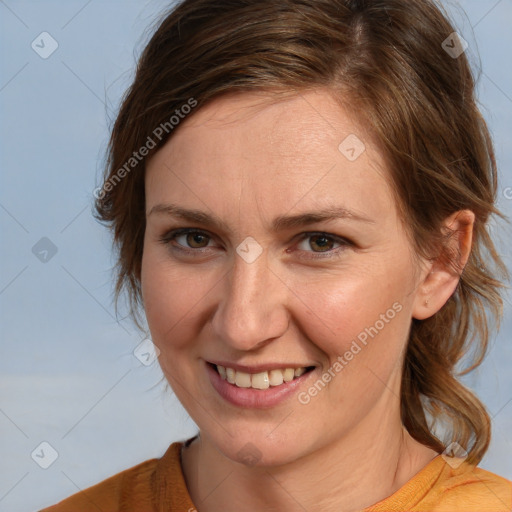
x,y
247,160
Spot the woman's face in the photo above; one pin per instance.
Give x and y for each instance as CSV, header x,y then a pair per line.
x,y
295,258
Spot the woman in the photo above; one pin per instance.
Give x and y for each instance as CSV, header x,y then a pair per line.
x,y
299,191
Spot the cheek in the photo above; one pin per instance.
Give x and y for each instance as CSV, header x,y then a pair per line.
x,y
357,306
172,298
362,329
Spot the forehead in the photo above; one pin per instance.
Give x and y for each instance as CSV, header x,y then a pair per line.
x,y
304,147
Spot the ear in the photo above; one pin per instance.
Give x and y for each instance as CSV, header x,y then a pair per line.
x,y
439,278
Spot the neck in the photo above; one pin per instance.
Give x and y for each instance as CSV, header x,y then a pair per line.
x,y
347,475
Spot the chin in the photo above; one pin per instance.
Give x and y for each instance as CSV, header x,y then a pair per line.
x,y
259,450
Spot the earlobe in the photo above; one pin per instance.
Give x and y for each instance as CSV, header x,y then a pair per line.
x,y
441,277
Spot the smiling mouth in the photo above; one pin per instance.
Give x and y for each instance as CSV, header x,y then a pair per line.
x,y
261,380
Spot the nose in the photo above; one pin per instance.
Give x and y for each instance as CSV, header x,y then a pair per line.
x,y
252,306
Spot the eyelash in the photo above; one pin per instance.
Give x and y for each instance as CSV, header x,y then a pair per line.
x,y
330,254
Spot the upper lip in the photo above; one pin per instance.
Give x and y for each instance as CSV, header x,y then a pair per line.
x,y
256,368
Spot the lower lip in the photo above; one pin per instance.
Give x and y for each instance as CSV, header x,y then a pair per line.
x,y
255,398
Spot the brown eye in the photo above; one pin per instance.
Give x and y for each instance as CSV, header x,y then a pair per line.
x,y
196,240
322,245
186,239
322,242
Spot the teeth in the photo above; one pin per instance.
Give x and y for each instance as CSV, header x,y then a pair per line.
x,y
288,374
276,377
262,380
299,372
243,380
230,374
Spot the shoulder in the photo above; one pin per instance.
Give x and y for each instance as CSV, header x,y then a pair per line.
x,y
109,494
133,489
468,488
450,485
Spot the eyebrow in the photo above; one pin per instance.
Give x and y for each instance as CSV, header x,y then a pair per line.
x,y
280,223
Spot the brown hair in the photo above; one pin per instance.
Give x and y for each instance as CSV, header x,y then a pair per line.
x,y
387,58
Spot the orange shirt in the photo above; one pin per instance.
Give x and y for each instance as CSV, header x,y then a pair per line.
x,y
158,485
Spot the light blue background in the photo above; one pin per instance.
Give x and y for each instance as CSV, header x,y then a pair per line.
x,y
68,374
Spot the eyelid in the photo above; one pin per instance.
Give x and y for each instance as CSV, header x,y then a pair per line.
x,y
330,254
171,235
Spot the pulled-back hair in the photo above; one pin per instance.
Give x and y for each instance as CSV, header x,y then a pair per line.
x,y
386,61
